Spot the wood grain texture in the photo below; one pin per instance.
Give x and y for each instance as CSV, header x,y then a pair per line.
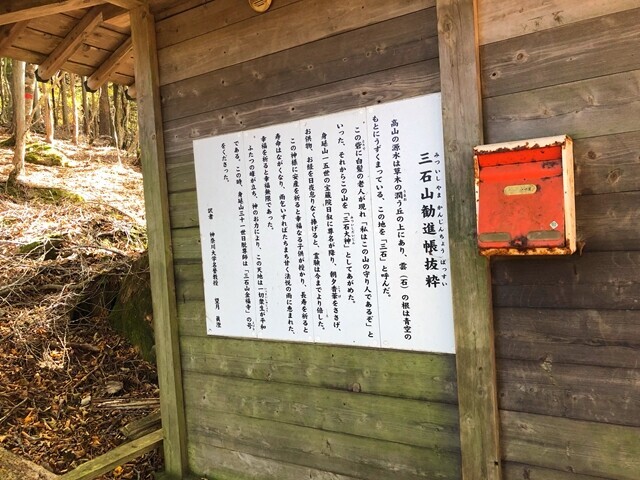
x,y
608,338
607,164
470,276
381,46
585,448
160,255
318,449
503,19
220,48
588,108
232,465
403,82
119,455
518,471
590,268
583,392
596,47
204,16
604,222
394,373
410,422
12,11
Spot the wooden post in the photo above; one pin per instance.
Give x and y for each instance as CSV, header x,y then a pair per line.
x,y
160,253
470,274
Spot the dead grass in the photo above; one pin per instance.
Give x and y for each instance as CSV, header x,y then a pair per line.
x,y
63,230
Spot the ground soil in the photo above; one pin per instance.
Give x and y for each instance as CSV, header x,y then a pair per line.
x,y
65,232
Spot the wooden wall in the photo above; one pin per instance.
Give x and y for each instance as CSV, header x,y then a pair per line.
x,y
274,410
568,329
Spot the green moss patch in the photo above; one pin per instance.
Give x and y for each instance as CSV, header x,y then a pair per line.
x,y
44,154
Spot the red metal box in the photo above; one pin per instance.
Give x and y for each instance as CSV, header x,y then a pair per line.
x,y
525,197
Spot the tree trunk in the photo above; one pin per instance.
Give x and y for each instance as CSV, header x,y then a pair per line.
x,y
29,88
85,109
19,117
105,111
74,108
48,114
53,103
64,100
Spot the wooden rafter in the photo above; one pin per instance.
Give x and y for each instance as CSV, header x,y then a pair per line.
x,y
128,4
12,11
70,44
104,71
9,33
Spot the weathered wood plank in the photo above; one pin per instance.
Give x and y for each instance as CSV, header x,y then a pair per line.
x,y
609,222
203,17
518,471
8,33
607,164
470,275
394,373
571,296
599,46
609,338
232,465
583,392
12,11
503,19
586,448
160,255
598,268
119,455
411,422
181,176
186,245
393,43
57,26
109,66
403,82
329,451
604,222
587,108
220,48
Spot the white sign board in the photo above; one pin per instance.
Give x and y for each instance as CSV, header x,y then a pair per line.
x,y
331,229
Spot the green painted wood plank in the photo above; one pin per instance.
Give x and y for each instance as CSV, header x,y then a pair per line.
x,y
411,422
470,276
119,455
318,449
158,226
518,471
232,465
586,448
417,375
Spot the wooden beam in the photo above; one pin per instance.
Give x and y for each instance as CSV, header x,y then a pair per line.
x,y
12,11
119,455
104,71
69,44
160,251
9,33
470,274
128,4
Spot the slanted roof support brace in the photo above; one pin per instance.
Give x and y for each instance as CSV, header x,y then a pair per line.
x,y
69,44
104,71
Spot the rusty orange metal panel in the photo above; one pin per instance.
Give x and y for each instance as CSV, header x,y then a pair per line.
x,y
525,197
